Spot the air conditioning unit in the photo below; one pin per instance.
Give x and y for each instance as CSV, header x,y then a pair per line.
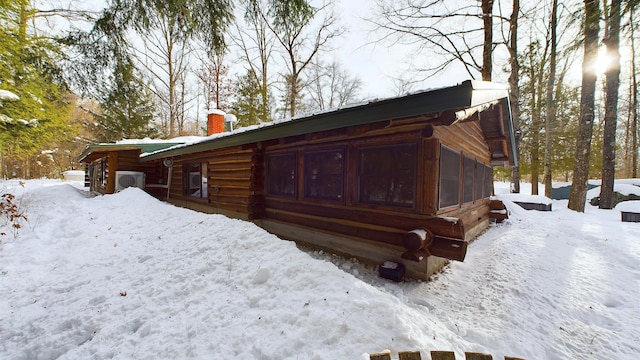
x,y
125,179
195,180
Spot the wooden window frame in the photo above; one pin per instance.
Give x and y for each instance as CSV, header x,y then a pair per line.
x,y
104,171
454,185
270,177
190,189
411,173
468,180
309,175
488,181
479,184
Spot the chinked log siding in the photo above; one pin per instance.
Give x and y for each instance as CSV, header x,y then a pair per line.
x,y
234,175
404,222
466,137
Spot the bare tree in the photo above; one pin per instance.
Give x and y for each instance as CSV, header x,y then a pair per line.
x,y
634,97
487,44
213,74
292,23
550,104
462,35
256,43
165,57
612,41
577,197
514,87
331,86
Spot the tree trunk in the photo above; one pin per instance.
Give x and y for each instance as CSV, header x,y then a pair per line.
x,y
514,94
578,193
634,99
551,106
612,41
487,47
535,149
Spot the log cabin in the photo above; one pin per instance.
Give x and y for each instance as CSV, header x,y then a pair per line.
x,y
103,162
404,179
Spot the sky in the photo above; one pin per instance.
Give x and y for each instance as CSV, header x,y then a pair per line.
x,y
126,276
377,63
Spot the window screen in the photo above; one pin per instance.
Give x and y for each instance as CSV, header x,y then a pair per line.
x,y
469,172
449,177
281,174
324,174
387,175
479,180
195,180
488,180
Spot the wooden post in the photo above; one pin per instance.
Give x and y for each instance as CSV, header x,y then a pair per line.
x,y
443,355
477,356
409,355
512,358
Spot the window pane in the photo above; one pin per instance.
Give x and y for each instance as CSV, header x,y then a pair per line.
x,y
205,181
469,173
281,174
324,174
449,178
488,180
479,180
193,179
387,175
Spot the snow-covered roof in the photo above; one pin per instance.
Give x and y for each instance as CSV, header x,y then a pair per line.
x,y
466,95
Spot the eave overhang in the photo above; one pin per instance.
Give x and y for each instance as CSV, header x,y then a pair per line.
x,y
468,94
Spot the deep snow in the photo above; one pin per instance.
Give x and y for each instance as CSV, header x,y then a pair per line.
x,y
126,276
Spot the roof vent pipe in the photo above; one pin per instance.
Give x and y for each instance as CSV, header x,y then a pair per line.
x,y
230,119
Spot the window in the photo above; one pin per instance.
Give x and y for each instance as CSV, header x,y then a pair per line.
x,y
104,171
488,181
449,177
281,174
194,180
324,174
387,175
479,180
469,172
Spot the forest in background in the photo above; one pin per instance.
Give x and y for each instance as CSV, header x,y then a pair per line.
x,y
70,76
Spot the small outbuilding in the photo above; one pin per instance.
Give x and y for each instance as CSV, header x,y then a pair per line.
x,y
105,161
405,179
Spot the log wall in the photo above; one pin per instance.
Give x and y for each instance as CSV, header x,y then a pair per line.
x,y
230,188
236,181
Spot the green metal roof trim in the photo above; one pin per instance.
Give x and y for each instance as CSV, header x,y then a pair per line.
x,y
467,94
144,147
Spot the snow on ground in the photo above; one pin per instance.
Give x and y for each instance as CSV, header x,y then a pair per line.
x,y
126,276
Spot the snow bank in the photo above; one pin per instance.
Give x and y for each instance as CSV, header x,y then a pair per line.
x,y
536,199
126,276
629,206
